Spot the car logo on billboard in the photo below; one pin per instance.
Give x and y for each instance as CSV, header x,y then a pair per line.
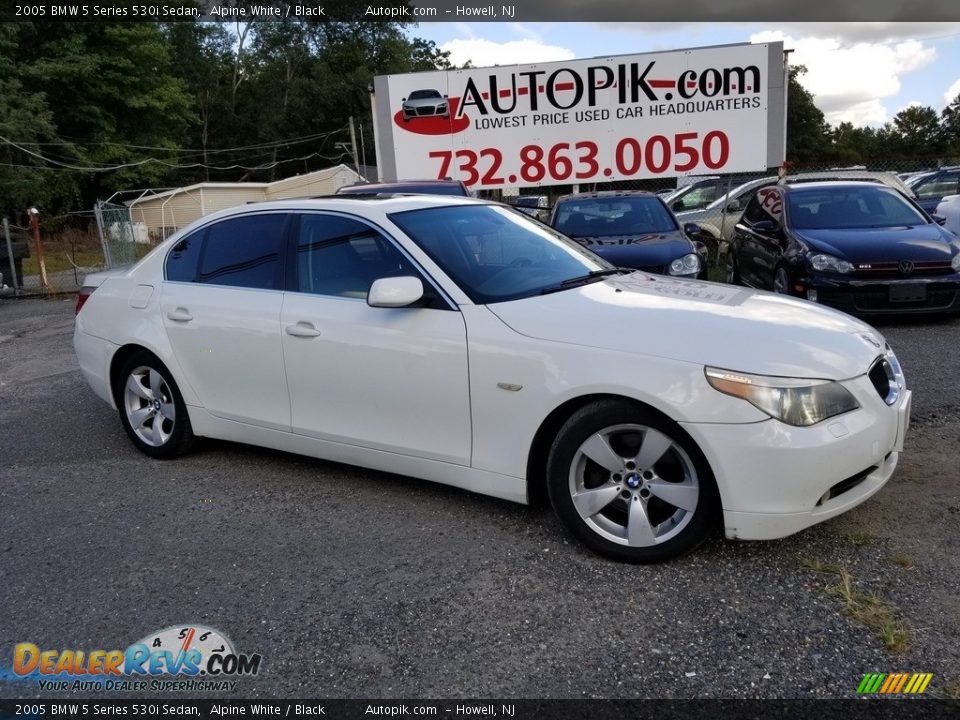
x,y
906,266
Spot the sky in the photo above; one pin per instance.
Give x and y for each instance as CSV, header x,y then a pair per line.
x,y
864,73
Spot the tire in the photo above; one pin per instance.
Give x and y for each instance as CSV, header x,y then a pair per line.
x,y
629,507
781,280
158,426
732,274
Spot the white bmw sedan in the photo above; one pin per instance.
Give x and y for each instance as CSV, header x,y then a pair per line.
x,y
462,342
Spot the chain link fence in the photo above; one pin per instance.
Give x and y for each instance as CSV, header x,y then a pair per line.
x,y
117,235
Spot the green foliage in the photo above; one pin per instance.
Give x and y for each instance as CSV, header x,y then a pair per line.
x,y
807,131
950,121
172,102
178,103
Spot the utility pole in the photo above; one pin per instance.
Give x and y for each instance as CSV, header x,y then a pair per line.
x,y
353,147
35,226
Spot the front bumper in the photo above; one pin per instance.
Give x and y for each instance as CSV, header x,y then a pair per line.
x,y
941,294
775,479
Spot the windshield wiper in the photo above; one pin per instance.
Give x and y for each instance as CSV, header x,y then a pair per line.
x,y
584,279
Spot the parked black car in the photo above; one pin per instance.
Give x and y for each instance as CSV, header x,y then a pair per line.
x,y
631,229
860,247
407,187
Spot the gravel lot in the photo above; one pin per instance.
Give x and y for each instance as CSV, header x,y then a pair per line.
x,y
354,583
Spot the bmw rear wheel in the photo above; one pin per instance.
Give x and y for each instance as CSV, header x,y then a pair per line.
x,y
631,485
152,410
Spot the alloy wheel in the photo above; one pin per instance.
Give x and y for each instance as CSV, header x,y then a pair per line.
x,y
148,403
634,485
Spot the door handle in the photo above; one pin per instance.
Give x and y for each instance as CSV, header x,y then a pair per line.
x,y
302,329
180,314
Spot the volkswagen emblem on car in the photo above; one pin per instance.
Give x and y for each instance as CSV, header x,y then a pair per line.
x,y
906,266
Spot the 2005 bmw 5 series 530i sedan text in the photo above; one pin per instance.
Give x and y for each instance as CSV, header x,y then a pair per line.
x,y
459,341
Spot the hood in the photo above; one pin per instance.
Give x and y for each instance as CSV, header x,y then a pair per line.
x,y
917,243
702,323
640,250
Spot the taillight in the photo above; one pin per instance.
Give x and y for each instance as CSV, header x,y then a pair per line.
x,y
82,296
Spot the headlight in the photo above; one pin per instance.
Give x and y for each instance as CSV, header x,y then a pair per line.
x,y
895,380
828,263
795,401
955,263
686,265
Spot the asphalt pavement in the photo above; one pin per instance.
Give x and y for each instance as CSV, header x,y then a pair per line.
x,y
352,583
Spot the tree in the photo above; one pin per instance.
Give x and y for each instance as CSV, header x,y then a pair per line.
x,y
917,132
807,130
26,121
950,124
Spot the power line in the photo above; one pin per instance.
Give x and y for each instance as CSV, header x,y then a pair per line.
x,y
193,151
176,166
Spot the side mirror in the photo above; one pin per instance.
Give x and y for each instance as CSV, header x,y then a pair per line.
x,y
692,229
395,292
766,226
677,205
403,99
938,219
733,206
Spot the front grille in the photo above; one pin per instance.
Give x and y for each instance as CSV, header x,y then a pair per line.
x,y
845,485
425,111
920,268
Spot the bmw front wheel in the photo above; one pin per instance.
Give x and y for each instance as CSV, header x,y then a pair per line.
x,y
631,485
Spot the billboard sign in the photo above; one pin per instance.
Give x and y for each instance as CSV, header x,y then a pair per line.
x,y
707,110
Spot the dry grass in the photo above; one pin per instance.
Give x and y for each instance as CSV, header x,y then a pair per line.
x,y
866,608
860,539
903,561
69,249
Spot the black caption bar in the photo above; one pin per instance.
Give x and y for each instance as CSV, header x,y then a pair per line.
x,y
503,709
453,11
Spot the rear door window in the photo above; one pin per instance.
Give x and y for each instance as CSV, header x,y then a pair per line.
x,y
245,252
182,260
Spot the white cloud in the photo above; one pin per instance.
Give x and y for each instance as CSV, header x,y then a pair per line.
x,y
872,31
950,95
483,53
850,31
850,82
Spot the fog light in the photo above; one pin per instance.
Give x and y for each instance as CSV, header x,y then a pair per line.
x,y
812,295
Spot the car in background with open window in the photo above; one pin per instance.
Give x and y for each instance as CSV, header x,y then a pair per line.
x,y
932,187
857,246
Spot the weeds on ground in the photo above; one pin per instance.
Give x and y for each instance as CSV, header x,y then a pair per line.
x,y
866,608
860,539
903,561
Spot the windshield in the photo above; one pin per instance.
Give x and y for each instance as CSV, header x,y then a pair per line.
x,y
846,207
496,254
424,94
618,215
